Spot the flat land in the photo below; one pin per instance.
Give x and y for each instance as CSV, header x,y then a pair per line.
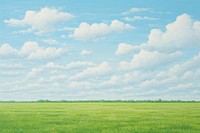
x,y
100,117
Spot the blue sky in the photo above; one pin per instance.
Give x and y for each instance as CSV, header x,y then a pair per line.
x,y
86,50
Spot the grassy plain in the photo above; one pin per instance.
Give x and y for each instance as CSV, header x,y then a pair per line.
x,y
99,117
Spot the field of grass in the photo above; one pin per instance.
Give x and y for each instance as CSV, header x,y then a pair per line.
x,y
105,117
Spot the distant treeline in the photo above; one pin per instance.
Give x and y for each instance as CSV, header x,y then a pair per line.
x,y
74,101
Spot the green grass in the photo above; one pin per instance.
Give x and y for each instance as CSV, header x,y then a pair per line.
x,y
103,117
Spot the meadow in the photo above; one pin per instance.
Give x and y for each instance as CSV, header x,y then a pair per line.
x,y
100,117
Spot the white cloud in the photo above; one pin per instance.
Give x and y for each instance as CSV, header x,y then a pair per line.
x,y
124,49
137,76
51,65
196,26
50,41
173,78
179,69
135,9
135,18
162,47
29,47
78,64
33,51
34,85
67,29
154,72
160,51
42,21
58,77
149,59
9,73
180,87
173,81
85,52
71,65
11,66
181,34
86,31
7,51
34,72
99,70
114,80
80,85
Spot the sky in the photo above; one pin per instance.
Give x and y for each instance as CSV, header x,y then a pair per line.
x,y
93,50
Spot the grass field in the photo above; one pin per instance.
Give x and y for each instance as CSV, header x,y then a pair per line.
x,y
100,117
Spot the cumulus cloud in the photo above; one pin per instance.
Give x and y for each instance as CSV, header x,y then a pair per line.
x,y
181,34
180,87
58,77
52,65
114,80
180,77
173,81
179,69
33,51
78,64
136,10
155,70
34,72
95,71
7,51
80,85
51,41
86,31
124,49
71,65
42,21
85,52
149,59
163,48
137,76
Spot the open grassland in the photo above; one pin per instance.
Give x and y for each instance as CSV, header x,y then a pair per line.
x,y
100,117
